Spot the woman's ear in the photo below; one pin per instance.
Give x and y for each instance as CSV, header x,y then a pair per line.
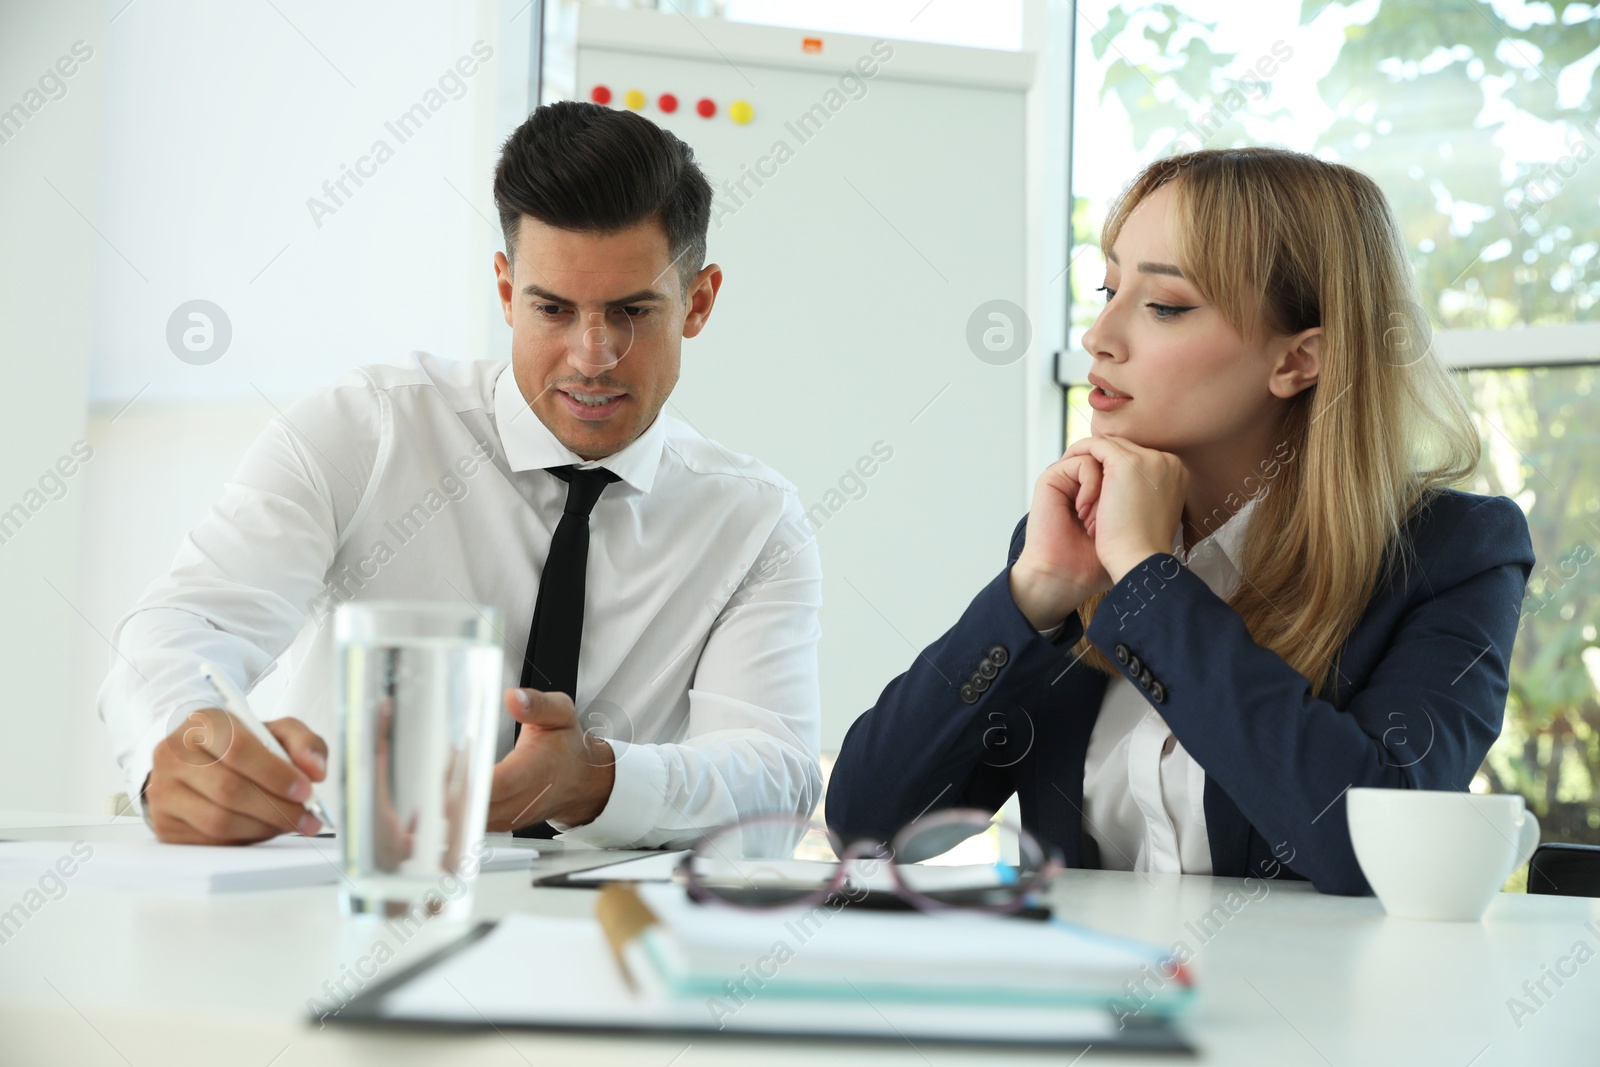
x,y
1299,364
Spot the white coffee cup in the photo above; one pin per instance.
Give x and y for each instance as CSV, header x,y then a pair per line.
x,y
1433,854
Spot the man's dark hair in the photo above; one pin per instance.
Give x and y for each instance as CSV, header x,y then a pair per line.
x,y
585,167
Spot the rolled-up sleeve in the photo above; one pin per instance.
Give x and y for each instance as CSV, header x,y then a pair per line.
x,y
245,578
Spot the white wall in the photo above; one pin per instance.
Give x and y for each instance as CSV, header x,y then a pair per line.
x,y
191,141
48,175
222,122
156,470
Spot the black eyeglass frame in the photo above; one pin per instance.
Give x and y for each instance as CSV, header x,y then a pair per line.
x,y
1016,895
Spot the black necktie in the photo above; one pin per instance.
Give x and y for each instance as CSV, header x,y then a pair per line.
x,y
551,661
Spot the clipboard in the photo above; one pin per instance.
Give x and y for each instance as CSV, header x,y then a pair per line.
x,y
458,988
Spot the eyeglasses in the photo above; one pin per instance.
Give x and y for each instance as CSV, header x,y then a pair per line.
x,y
956,858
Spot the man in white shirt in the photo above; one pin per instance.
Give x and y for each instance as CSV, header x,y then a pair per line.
x,y
696,695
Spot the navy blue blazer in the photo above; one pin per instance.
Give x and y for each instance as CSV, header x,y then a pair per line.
x,y
993,708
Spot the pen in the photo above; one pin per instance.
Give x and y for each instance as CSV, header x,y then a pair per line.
x,y
234,702
625,919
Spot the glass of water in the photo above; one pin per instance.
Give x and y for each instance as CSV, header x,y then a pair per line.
x,y
419,695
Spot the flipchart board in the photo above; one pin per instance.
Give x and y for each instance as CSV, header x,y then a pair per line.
x,y
869,206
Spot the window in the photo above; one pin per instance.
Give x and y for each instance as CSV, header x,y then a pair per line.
x,y
982,24
1539,428
1486,145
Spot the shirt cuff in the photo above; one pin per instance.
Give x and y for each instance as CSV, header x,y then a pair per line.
x,y
638,798
143,758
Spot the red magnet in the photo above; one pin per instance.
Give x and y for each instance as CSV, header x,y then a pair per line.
x,y
600,94
667,102
707,107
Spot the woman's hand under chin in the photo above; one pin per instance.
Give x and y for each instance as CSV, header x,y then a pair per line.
x,y
1131,503
1103,508
1059,568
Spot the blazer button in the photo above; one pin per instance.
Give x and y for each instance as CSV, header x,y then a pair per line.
x,y
1145,678
979,682
1122,654
969,695
1158,692
1134,666
999,655
987,669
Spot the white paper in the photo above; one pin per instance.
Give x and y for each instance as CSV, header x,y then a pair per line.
x,y
281,863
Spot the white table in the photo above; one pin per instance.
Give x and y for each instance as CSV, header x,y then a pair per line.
x,y
1290,977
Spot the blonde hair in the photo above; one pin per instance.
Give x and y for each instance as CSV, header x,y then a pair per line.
x,y
1284,241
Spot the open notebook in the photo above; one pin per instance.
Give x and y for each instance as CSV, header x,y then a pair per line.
x,y
281,863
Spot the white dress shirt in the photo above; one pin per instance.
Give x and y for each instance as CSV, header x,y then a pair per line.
x,y
1143,794
427,482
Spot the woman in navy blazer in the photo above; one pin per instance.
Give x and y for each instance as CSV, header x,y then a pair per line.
x,y
1261,346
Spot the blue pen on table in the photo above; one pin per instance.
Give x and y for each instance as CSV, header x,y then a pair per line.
x,y
233,701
